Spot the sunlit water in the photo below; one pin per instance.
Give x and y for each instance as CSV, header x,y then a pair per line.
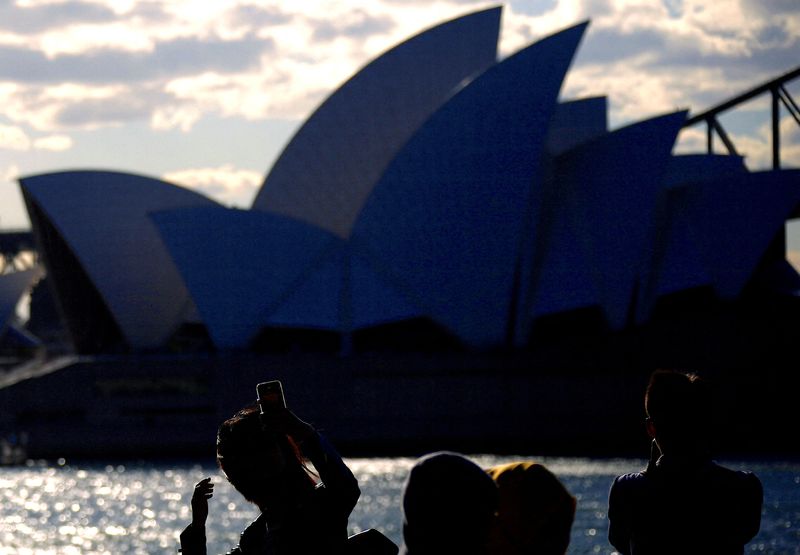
x,y
140,508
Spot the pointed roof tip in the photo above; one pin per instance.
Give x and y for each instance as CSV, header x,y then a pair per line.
x,y
495,8
491,16
413,78
571,36
580,27
583,24
676,113
685,112
575,27
494,12
577,30
679,115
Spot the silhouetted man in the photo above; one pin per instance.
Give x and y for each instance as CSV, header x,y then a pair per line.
x,y
683,502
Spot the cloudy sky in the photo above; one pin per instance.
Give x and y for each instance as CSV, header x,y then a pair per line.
x,y
206,93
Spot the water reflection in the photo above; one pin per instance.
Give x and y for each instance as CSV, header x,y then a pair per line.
x,y
141,508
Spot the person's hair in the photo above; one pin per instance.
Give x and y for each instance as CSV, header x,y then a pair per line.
x,y
241,439
535,511
448,506
678,404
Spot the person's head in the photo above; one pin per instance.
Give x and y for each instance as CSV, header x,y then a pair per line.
x,y
449,504
264,466
678,410
535,511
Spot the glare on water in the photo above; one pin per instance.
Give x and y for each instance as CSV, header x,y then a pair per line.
x,y
140,508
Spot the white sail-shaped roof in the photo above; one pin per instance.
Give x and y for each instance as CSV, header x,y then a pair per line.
x,y
239,264
685,169
735,219
601,207
675,262
330,166
573,123
250,269
102,218
446,220
438,188
346,293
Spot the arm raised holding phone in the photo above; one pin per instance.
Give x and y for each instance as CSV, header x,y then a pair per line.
x,y
264,451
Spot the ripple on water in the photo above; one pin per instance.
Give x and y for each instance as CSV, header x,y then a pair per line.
x,y
141,508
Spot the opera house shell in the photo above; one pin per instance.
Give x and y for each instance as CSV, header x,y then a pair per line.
x,y
439,200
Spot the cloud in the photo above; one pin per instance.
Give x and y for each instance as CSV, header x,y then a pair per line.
x,y
127,107
225,184
181,117
358,25
9,173
790,142
632,95
12,208
757,147
58,107
13,138
88,68
173,64
54,143
691,140
252,17
37,18
651,57
166,60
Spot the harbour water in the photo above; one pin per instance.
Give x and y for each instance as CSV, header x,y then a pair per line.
x,y
139,508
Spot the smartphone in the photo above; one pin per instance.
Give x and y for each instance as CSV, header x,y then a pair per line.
x,y
270,394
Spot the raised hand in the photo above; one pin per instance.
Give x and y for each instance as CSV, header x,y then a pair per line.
x,y
284,421
203,491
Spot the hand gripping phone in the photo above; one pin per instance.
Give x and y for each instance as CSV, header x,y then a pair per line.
x,y
270,395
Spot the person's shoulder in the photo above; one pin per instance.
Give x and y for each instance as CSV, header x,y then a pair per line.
x,y
740,479
631,477
732,474
629,481
253,537
627,490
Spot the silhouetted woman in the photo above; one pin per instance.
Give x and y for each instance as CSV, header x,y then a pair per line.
x,y
263,456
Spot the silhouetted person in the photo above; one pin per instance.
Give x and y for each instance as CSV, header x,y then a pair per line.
x,y
683,502
449,503
263,456
535,512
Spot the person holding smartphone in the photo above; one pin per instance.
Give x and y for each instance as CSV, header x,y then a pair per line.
x,y
264,452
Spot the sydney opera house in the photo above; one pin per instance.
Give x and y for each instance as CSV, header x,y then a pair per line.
x,y
445,250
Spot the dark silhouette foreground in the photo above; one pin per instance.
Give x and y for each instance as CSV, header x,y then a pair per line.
x,y
264,457
449,504
683,502
535,511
